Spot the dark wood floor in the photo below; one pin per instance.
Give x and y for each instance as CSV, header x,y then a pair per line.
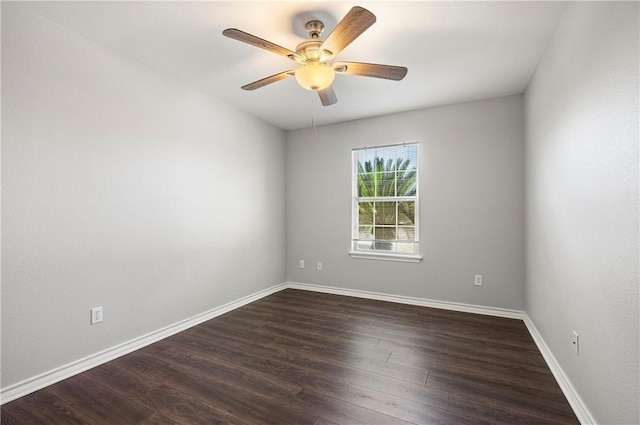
x,y
299,357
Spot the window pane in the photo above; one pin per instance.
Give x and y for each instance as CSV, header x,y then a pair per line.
x,y
406,213
365,233
408,152
386,213
366,184
384,246
386,153
406,248
366,155
406,180
406,234
386,184
365,213
385,233
365,245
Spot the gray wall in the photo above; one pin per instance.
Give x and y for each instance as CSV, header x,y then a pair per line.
x,y
582,204
125,189
471,204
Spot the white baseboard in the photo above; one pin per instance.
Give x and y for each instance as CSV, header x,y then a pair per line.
x,y
401,299
579,408
35,383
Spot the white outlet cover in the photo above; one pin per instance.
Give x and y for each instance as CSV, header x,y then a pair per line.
x,y
96,315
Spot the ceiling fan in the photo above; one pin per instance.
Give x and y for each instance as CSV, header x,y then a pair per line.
x,y
316,72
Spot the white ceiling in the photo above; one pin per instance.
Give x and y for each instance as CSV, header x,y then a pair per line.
x,y
455,51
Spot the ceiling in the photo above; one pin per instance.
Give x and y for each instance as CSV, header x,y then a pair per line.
x,y
455,51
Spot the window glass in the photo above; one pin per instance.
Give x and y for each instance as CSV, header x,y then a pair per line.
x,y
385,181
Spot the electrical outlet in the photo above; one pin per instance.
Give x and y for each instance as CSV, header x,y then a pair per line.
x,y
302,264
96,315
320,265
575,341
478,280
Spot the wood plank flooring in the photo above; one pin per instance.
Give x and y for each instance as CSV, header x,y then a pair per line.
x,y
299,357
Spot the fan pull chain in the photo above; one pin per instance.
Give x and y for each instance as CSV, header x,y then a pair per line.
x,y
313,115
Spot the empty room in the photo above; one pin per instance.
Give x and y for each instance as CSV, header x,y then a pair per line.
x,y
322,213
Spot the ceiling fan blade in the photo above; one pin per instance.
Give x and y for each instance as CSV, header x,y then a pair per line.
x,y
268,80
352,25
388,72
245,37
328,96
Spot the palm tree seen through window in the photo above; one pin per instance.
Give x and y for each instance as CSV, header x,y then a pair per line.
x,y
386,199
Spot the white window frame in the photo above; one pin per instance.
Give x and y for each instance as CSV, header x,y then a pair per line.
x,y
381,254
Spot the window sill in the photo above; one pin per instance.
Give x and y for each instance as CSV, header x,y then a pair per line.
x,y
406,258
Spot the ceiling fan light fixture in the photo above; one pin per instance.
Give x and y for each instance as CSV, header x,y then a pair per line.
x,y
315,76
314,54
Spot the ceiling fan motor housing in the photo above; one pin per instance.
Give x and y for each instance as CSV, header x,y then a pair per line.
x,y
311,52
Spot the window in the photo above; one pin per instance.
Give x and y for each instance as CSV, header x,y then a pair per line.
x,y
385,203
